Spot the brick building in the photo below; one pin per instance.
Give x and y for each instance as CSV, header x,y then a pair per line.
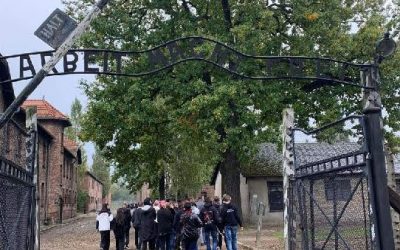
x,y
94,188
13,134
57,160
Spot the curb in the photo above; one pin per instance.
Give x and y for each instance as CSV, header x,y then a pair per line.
x,y
244,246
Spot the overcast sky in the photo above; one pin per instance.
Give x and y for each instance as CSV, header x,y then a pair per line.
x,y
19,19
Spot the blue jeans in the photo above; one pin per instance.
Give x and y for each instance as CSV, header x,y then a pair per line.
x,y
172,240
190,244
164,242
210,233
231,237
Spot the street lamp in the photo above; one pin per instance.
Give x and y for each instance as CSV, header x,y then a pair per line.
x,y
384,48
374,139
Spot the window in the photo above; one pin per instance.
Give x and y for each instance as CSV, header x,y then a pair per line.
x,y
340,187
275,196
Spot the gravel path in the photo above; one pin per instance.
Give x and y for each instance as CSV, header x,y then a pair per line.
x,y
82,235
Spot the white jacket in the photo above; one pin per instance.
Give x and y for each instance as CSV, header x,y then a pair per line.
x,y
104,220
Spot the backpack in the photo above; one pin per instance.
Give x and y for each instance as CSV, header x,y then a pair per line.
x,y
189,230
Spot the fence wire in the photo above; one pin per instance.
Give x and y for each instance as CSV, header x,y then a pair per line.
x,y
15,214
334,211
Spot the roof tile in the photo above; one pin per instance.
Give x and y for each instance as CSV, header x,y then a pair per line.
x,y
45,110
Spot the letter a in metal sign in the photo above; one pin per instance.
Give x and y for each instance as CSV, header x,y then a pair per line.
x,y
56,28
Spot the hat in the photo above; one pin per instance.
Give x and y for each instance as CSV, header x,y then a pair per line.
x,y
147,201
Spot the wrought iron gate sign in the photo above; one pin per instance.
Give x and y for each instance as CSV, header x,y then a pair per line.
x,y
193,48
57,27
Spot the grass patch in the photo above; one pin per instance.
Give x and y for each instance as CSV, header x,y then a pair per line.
x,y
278,234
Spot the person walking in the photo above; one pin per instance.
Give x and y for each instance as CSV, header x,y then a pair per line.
x,y
172,238
127,219
119,229
177,227
230,220
103,220
220,227
210,218
165,220
147,226
190,228
136,224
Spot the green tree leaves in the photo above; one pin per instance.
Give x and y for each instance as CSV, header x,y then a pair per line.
x,y
187,119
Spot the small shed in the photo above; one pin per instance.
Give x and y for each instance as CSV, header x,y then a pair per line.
x,y
262,180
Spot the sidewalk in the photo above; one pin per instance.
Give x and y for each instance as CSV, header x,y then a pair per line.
x,y
271,238
79,216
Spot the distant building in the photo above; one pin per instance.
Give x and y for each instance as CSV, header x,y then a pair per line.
x,y
94,187
143,193
261,180
58,158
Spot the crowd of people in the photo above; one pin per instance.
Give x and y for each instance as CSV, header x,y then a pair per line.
x,y
171,225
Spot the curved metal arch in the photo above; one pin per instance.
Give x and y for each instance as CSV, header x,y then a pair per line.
x,y
215,61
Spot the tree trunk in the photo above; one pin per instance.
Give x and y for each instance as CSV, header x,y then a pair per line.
x,y
230,171
161,187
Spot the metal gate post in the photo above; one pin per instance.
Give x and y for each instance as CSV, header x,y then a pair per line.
x,y
289,230
32,167
377,171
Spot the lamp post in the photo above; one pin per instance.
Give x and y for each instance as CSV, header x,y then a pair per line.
x,y
383,230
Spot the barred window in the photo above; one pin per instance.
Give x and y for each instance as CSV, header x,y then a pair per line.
x,y
275,196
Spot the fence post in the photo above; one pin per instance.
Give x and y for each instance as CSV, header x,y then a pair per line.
x,y
383,231
260,213
32,167
288,214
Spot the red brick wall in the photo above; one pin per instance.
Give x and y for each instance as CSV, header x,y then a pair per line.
x,y
95,191
60,183
44,143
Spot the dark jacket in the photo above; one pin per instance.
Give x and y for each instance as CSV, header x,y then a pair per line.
x,y
128,218
147,223
136,217
165,219
209,216
190,226
119,229
177,219
230,215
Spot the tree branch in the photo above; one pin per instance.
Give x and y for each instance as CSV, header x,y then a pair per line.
x,y
227,14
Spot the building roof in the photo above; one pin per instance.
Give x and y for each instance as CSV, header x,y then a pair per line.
x,y
45,111
94,177
268,161
6,88
71,146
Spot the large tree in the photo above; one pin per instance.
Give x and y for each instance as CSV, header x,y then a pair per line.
x,y
141,120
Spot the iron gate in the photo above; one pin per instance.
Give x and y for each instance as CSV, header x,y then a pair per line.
x,y
16,194
331,192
